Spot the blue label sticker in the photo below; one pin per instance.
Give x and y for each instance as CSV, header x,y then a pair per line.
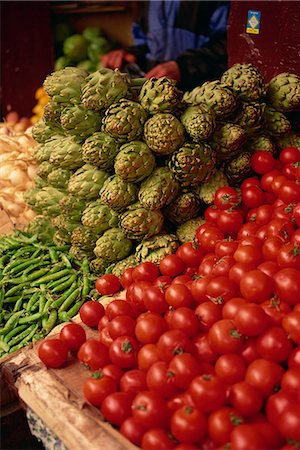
x,y
253,22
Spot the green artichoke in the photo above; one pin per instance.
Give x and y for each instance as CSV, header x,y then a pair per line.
x,y
42,132
118,194
159,189
100,150
80,254
134,162
227,140
192,163
43,169
276,123
46,201
260,142
64,86
206,191
164,133
66,153
72,206
156,247
251,117
119,267
52,111
186,206
113,245
199,122
84,238
98,266
61,237
159,95
80,122
41,226
245,81
87,182
238,168
59,177
288,140
62,222
99,217
104,87
283,92
138,222
186,232
124,120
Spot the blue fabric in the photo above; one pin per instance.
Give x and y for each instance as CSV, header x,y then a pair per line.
x,y
164,41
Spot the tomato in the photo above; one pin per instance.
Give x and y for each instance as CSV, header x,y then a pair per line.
x,y
289,192
276,309
135,296
208,237
162,282
188,424
250,181
179,399
229,221
73,334
123,351
226,197
256,286
296,214
294,358
221,289
231,307
289,170
198,288
290,382
132,430
221,423
108,284
222,266
246,230
267,179
238,270
230,368
208,392
289,155
246,436
190,254
97,387
276,404
291,325
149,328
104,337
274,344
91,312
157,438
289,424
283,212
251,319
277,183
103,322
146,271
154,300
118,308
271,247
94,354
133,381
147,355
178,295
113,371
271,434
252,196
265,375
248,350
207,264
121,325
269,268
184,368
182,279
161,379
126,278
202,350
171,343
150,409
287,285
171,265
116,407
223,337
226,247
262,162
53,352
208,313
248,254
289,256
211,214
184,319
245,398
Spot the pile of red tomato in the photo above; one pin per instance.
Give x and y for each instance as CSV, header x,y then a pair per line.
x,y
203,352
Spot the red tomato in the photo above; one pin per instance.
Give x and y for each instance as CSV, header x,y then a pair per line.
x,y
289,155
97,387
289,424
135,296
198,288
246,436
154,300
252,196
116,407
157,438
147,355
104,337
119,308
208,237
289,256
202,350
230,368
161,379
132,430
263,214
221,423
94,354
211,214
223,337
121,325
231,307
226,247
171,265
226,197
188,424
108,284
146,271
150,409
296,214
256,286
126,278
271,247
178,295
184,368
267,179
290,382
238,270
208,392
133,381
246,230
262,162
171,343
269,268
113,371
287,285
289,192
251,319
291,325
230,221
190,254
162,282
149,328
265,375
91,312
250,181
73,334
184,319
245,398
274,344
123,352
276,404
207,314
53,352
221,289
276,309
248,254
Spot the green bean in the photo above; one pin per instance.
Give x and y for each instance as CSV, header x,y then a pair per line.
x,y
13,332
24,265
12,299
34,266
18,304
63,297
85,266
24,340
33,299
26,250
37,274
2,293
11,322
69,300
51,277
75,308
10,266
4,346
42,302
14,289
66,284
29,291
55,283
66,261
57,267
51,321
85,286
16,339
32,318
48,302
53,255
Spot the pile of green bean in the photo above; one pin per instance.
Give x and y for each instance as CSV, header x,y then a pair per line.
x,y
40,286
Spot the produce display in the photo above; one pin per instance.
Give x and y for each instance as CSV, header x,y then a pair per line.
x,y
123,161
203,349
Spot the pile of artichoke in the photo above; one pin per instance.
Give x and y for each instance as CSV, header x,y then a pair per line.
x,y
126,167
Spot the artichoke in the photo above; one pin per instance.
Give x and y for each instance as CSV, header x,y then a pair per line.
x,y
66,153
52,111
245,81
192,163
216,96
134,162
46,201
124,120
251,117
42,132
199,122
163,133
283,92
63,222
43,169
118,194
84,238
98,266
155,248
206,191
42,152
186,206
288,140
61,237
276,123
138,222
99,217
100,150
80,122
113,245
104,87
64,86
59,177
159,95
42,227
72,206
87,182
159,189
80,254
119,267
261,142
227,140
238,168
186,232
